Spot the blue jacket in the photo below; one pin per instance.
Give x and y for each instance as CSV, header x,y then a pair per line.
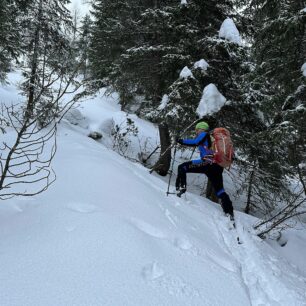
x,y
202,142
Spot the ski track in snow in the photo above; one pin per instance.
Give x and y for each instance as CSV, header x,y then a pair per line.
x,y
149,229
185,244
156,275
258,272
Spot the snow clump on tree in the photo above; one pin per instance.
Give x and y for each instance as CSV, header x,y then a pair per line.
x,y
229,31
304,69
163,102
186,73
202,64
212,101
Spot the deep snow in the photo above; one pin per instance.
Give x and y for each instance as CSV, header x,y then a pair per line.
x,y
105,233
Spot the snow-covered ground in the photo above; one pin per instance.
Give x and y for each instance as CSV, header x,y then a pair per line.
x,y
105,233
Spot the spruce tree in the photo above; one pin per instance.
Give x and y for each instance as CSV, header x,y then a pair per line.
x,y
279,50
225,63
279,53
274,88
83,43
111,35
10,29
47,55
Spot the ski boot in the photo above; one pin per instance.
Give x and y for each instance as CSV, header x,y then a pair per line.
x,y
180,191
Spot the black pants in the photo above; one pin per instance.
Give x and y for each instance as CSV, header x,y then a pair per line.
x,y
213,172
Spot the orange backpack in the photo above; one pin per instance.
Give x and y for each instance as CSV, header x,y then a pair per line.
x,y
223,147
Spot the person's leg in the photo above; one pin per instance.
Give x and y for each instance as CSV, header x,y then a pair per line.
x,y
194,166
181,179
214,173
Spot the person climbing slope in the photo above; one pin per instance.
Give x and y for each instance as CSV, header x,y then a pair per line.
x,y
206,164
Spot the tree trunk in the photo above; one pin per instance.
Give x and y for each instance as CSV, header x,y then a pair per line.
x,y
163,164
250,190
210,192
34,65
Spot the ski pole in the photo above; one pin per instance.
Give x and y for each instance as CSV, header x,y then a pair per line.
x,y
192,152
146,159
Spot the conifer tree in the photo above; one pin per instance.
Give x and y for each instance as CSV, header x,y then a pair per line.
x,y
274,88
10,28
47,55
48,72
279,51
173,36
111,35
83,43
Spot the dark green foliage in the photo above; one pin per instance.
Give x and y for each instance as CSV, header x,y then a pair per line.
x,y
277,146
152,63
112,34
279,53
10,33
141,48
183,97
227,66
83,44
279,49
47,55
292,123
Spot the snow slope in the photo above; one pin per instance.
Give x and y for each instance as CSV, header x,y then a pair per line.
x,y
105,233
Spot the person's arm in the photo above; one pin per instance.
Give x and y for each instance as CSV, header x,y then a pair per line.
x,y
195,141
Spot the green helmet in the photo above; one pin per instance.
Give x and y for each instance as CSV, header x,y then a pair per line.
x,y
202,126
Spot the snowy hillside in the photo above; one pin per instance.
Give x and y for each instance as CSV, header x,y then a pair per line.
x,y
105,233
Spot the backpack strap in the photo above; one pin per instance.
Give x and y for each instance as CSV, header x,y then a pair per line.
x,y
209,157
208,138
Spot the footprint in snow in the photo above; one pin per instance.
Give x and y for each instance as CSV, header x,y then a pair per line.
x,y
70,229
152,271
22,204
83,208
223,261
156,276
177,204
149,229
17,208
183,243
